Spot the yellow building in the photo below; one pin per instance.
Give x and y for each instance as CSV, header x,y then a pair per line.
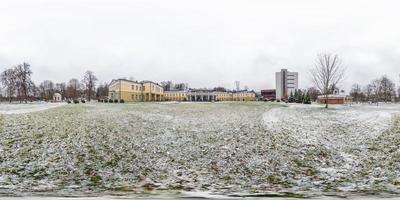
x,y
175,95
224,96
152,91
244,96
135,91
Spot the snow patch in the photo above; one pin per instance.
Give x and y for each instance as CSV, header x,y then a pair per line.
x,y
26,108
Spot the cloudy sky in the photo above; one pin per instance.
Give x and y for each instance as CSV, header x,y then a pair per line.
x,y
205,43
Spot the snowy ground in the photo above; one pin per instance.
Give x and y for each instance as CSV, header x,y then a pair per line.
x,y
17,108
219,148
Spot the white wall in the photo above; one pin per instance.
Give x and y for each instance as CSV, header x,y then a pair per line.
x,y
278,78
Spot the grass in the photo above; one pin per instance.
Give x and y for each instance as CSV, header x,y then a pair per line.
x,y
210,146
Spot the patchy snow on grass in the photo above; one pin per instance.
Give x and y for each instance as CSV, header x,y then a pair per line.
x,y
342,135
216,148
21,108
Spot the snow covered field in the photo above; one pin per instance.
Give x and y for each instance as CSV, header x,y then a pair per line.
x,y
14,108
222,148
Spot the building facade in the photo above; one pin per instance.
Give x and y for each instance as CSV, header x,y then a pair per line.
x,y
335,99
286,83
57,97
178,95
204,95
268,95
201,95
224,96
135,91
152,91
244,95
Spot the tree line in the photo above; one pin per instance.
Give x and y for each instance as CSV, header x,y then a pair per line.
x,y
169,85
378,90
328,71
17,85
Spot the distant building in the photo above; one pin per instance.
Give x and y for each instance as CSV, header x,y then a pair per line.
x,y
244,95
57,97
286,82
201,95
131,91
335,98
176,95
135,91
224,95
268,95
209,95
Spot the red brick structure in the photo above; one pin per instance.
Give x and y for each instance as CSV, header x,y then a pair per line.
x,y
335,99
268,95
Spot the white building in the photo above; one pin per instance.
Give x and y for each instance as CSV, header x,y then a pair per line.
x,y
286,82
57,97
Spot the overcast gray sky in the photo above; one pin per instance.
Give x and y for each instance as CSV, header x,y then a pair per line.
x,y
205,43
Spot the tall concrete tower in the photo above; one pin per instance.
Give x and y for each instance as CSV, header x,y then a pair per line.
x,y
286,82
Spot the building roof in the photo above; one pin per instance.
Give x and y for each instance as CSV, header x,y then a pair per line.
x,y
146,81
335,96
171,91
136,82
269,90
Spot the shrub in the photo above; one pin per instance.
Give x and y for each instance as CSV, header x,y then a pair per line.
x,y
98,100
115,100
121,101
307,99
110,101
68,101
76,101
83,101
278,100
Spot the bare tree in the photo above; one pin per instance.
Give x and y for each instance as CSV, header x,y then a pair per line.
x,y
356,92
46,89
313,93
24,82
9,81
167,85
328,71
73,89
387,88
181,86
398,91
102,91
220,89
89,81
61,88
368,90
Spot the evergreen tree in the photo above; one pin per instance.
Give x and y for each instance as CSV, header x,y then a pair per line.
x,y
307,99
299,98
291,97
296,95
